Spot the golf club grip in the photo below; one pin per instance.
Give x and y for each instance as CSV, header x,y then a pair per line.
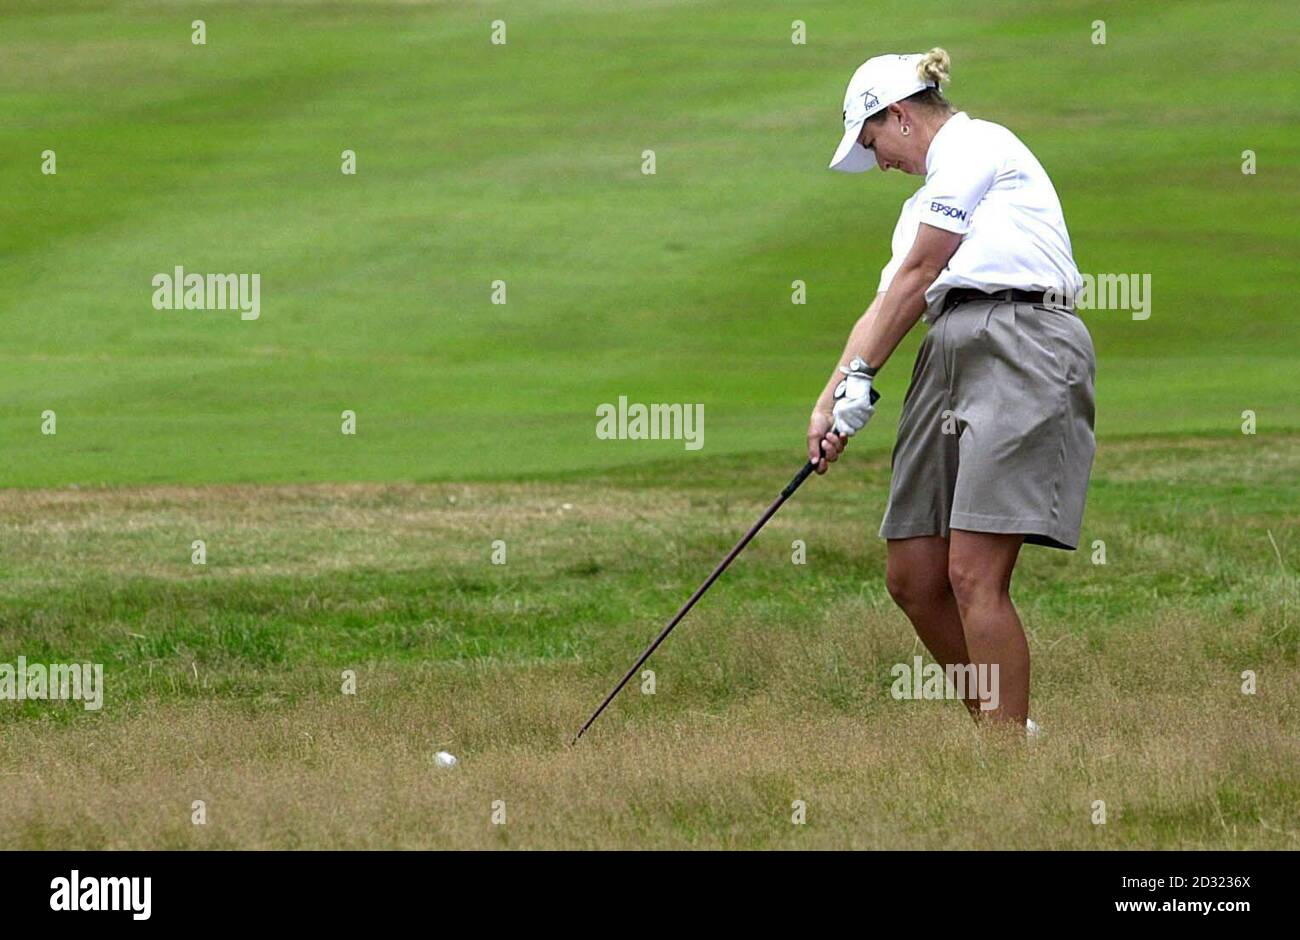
x,y
810,466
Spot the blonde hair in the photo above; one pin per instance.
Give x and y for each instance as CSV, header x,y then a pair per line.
x,y
934,66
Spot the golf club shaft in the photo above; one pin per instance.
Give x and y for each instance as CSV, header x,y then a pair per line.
x,y
786,493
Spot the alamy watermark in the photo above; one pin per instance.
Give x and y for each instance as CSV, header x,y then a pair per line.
x,y
932,682
1108,292
77,682
657,422
181,291
89,893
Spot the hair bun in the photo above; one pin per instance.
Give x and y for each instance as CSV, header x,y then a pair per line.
x,y
934,66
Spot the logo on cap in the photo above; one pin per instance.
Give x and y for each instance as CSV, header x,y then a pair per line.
x,y
869,100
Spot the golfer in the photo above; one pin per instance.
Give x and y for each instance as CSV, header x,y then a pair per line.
x,y
995,440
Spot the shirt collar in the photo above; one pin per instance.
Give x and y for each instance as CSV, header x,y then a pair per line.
x,y
960,117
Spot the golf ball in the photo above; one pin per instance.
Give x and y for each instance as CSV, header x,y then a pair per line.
x,y
443,759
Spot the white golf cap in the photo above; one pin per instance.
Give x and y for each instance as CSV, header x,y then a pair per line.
x,y
877,84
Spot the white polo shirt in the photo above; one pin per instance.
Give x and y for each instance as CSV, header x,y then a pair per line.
x,y
983,183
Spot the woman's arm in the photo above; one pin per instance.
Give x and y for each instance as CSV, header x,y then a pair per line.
x,y
904,302
881,328
857,336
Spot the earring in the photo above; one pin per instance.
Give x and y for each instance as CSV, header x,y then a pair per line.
x,y
905,130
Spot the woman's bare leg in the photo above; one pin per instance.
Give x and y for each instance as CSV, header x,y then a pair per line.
x,y
980,565
916,575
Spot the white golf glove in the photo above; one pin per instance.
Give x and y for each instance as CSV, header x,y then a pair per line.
x,y
855,399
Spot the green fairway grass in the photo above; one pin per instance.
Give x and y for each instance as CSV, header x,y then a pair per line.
x,y
223,682
522,162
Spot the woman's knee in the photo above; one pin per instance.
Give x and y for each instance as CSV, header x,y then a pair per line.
x,y
915,588
980,566
973,583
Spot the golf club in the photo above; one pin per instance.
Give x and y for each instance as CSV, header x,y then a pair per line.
x,y
786,493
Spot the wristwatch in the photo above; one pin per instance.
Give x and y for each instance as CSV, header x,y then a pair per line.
x,y
860,365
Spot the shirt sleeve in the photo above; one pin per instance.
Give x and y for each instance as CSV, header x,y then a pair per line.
x,y
955,187
887,274
904,236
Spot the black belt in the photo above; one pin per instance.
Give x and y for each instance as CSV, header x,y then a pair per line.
x,y
962,295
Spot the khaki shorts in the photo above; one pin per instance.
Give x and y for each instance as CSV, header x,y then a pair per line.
x,y
996,433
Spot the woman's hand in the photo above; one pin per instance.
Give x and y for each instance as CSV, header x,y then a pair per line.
x,y
824,445
855,399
